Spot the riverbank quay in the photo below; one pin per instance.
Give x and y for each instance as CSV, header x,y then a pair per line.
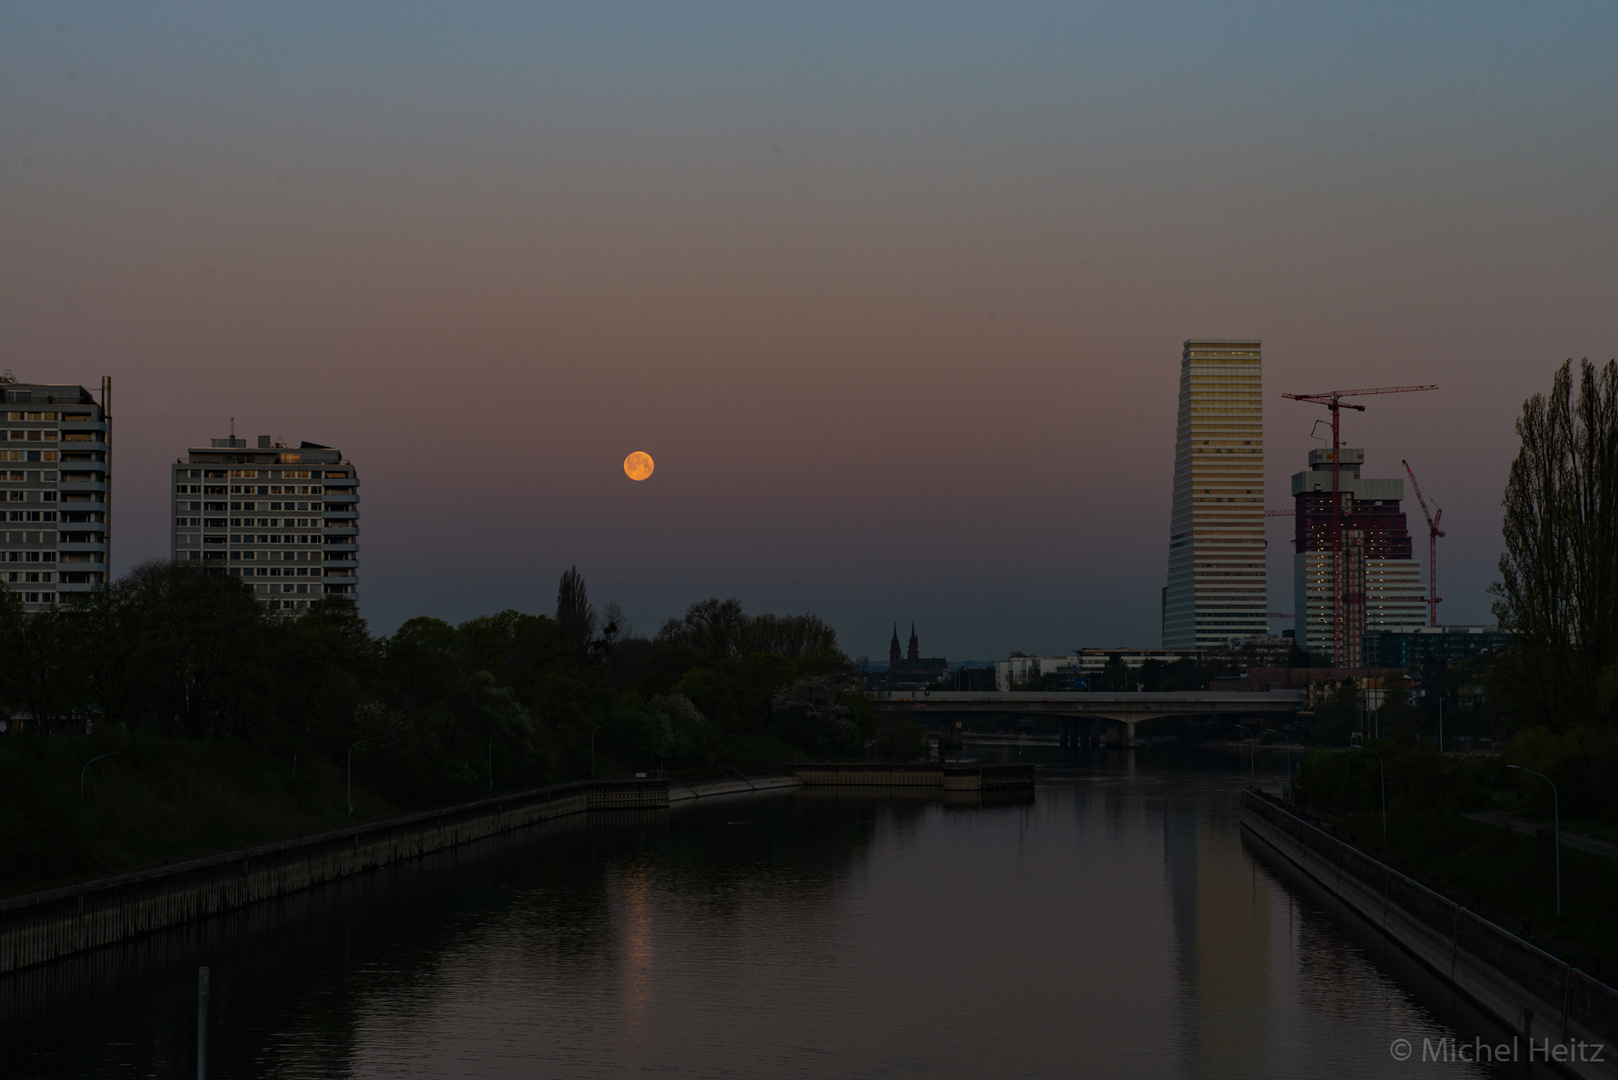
x,y
40,927
1557,1011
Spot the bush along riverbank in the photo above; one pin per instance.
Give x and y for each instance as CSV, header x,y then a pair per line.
x,y
216,726
1500,873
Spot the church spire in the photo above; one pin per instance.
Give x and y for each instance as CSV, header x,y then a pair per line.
x,y
915,646
893,650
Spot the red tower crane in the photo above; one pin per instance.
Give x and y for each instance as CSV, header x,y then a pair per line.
x,y
1433,533
1331,399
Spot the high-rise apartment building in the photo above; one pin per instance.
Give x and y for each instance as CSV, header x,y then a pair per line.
x,y
1217,583
1381,583
284,519
56,490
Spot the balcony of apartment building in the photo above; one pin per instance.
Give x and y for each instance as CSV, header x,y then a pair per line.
x,y
341,512
81,543
80,579
82,435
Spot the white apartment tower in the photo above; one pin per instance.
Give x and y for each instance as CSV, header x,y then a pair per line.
x,y
55,484
1217,587
284,519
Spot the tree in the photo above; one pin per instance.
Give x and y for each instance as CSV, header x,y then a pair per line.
x,y
12,619
110,631
206,647
42,661
1558,587
574,616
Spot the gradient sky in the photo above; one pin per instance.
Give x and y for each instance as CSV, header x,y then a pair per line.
x,y
893,293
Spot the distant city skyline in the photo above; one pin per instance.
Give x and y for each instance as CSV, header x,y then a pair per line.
x,y
892,295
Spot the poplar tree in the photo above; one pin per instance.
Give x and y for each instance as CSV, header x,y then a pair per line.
x,y
575,616
1558,587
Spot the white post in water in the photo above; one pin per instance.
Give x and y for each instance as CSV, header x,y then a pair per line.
x,y
202,1023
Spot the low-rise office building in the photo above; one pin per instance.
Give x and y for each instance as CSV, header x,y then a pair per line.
x,y
55,485
1419,647
1081,664
284,519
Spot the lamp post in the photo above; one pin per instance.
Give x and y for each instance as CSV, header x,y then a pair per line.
x,y
1382,774
87,764
493,737
361,742
1252,761
1556,825
593,731
1286,737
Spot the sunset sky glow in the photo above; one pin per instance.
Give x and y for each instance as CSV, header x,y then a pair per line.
x,y
894,294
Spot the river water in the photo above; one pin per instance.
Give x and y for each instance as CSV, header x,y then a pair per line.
x,y
1115,926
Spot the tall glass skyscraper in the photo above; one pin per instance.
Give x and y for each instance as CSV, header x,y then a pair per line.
x,y
1217,586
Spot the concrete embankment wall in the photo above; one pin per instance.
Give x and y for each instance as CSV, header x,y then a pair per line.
x,y
1527,989
45,926
689,788
948,777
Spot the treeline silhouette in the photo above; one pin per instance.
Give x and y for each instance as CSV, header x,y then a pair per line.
x,y
439,711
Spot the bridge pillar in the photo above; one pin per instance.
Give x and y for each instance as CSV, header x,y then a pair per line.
x,y
1065,733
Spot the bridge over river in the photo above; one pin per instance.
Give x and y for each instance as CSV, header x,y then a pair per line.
x,y
1087,719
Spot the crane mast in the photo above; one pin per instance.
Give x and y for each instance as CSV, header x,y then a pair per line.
x,y
1433,533
1332,399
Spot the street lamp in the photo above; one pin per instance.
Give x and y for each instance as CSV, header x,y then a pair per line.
x,y
1382,773
1252,762
1556,824
493,737
87,764
362,742
593,731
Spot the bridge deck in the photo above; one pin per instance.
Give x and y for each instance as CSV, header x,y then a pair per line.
x,y
1126,707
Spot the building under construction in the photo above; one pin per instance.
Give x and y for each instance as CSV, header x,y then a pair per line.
x,y
1381,581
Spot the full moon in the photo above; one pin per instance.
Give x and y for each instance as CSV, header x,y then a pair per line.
x,y
638,466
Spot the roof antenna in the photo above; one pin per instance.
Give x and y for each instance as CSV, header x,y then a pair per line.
x,y
233,428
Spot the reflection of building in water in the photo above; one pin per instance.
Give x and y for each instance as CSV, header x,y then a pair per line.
x,y
1220,914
